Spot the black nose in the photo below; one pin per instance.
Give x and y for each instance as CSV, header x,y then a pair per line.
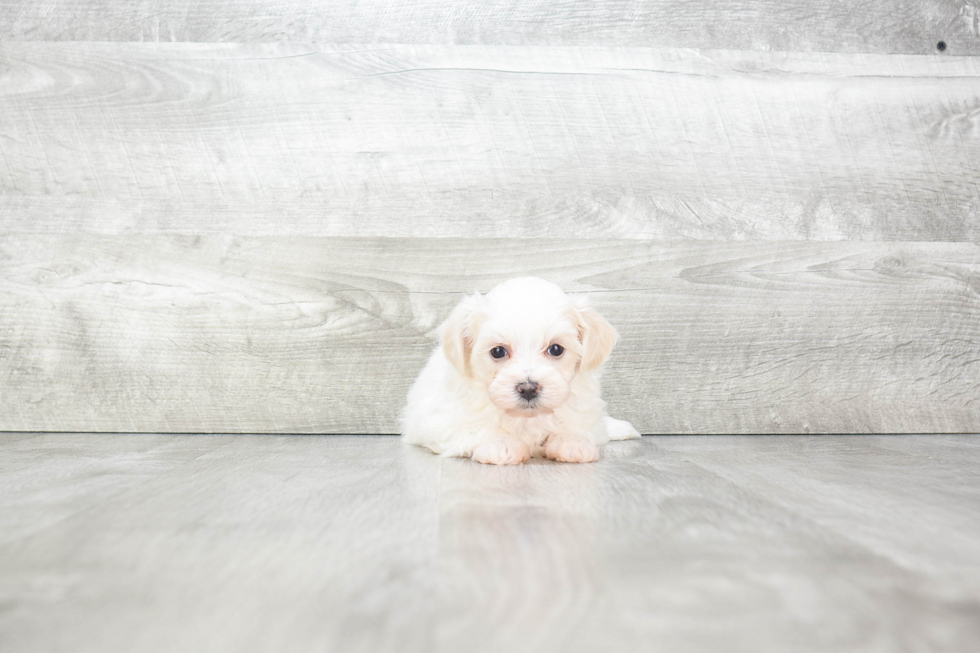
x,y
528,390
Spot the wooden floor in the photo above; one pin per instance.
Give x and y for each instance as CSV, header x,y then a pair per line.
x,y
358,543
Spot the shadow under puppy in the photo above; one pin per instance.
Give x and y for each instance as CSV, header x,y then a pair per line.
x,y
516,375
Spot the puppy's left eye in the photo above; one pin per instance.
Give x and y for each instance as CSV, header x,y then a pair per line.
x,y
556,350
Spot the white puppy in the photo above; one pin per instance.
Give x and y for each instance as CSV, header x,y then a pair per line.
x,y
516,375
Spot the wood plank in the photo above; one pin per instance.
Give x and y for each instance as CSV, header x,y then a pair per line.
x,y
358,543
617,552
818,479
488,141
887,26
276,334
212,539
81,472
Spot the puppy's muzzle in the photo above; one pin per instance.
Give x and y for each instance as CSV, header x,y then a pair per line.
x,y
528,390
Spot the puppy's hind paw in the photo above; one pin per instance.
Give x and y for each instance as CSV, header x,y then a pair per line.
x,y
502,452
619,429
571,450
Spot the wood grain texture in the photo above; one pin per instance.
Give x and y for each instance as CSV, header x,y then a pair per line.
x,y
236,334
487,142
251,543
885,26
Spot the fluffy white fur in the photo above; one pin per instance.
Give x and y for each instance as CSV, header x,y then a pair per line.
x,y
468,403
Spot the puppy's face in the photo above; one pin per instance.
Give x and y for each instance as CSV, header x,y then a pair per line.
x,y
524,342
526,365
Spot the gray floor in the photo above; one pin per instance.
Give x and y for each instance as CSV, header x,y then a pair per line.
x,y
356,543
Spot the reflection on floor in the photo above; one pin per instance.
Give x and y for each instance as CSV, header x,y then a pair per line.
x,y
359,543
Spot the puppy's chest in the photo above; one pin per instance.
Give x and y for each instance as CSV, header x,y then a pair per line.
x,y
532,431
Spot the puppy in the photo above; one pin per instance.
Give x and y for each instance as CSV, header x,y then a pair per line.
x,y
516,375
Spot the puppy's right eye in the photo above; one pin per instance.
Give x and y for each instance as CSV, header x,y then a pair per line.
x,y
498,352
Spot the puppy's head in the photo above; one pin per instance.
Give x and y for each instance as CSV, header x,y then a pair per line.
x,y
525,341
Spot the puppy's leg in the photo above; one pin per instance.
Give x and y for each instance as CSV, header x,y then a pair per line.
x,y
489,448
501,451
619,429
571,449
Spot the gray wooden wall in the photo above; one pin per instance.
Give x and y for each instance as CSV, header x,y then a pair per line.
x,y
250,216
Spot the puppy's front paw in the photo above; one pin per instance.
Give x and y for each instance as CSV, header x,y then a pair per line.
x,y
571,449
502,452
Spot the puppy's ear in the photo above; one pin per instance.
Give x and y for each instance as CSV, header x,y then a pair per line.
x,y
596,335
458,333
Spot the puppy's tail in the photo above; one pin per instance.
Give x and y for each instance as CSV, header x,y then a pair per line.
x,y
619,429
